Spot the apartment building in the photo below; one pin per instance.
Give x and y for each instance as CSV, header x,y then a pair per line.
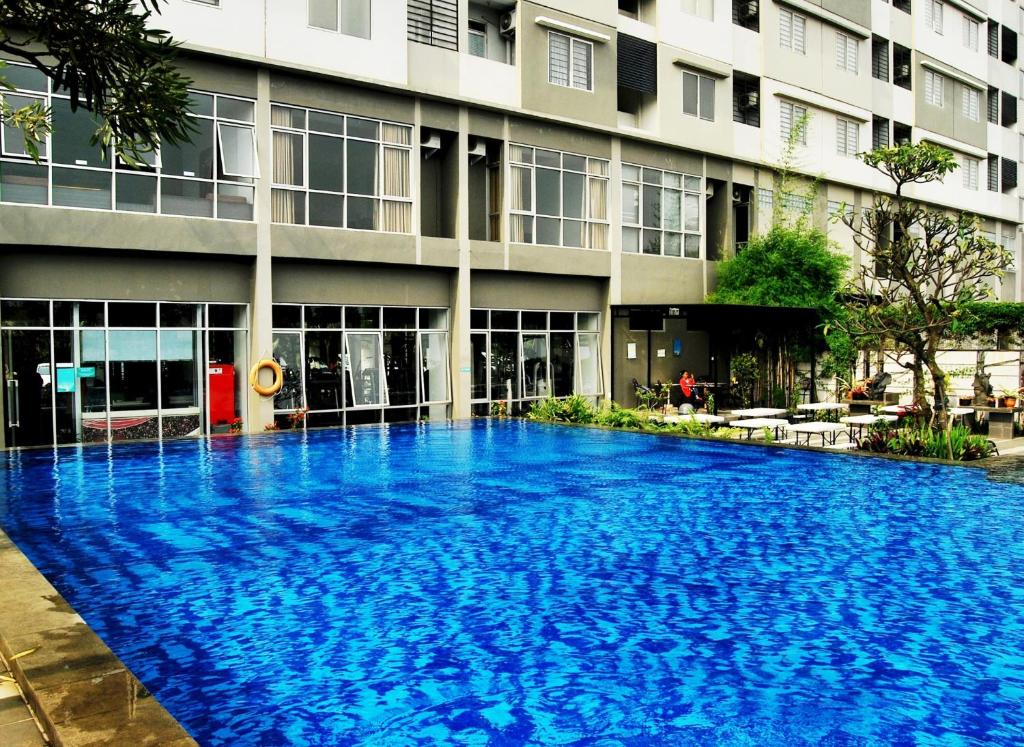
x,y
419,208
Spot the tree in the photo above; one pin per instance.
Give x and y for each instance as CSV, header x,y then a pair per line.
x,y
925,267
102,53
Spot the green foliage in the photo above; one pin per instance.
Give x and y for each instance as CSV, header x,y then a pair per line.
x,y
790,266
744,372
912,162
614,416
105,56
982,318
927,442
572,409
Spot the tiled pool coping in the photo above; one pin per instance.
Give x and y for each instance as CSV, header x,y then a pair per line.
x,y
80,691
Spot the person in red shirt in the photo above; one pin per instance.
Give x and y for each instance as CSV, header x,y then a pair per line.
x,y
686,382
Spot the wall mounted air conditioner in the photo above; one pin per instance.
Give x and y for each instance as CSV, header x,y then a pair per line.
x,y
477,150
748,10
431,145
507,24
750,100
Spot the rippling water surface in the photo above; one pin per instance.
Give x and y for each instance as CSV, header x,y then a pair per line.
x,y
510,583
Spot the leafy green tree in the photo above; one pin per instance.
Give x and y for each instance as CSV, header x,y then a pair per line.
x,y
788,266
924,267
108,60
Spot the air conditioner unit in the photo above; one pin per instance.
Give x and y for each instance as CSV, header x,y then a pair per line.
x,y
903,141
749,10
477,151
431,145
750,100
507,25
903,71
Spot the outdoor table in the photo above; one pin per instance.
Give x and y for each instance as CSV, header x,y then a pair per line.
x,y
822,406
755,424
900,410
1000,421
825,430
861,420
960,412
760,412
697,417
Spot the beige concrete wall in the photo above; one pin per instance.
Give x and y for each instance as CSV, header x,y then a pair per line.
x,y
558,260
670,159
24,225
237,79
344,283
598,105
330,95
494,290
559,137
648,279
309,242
61,273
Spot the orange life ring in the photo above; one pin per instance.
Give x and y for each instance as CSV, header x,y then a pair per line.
x,y
254,378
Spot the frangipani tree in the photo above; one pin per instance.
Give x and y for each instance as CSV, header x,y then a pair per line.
x,y
923,266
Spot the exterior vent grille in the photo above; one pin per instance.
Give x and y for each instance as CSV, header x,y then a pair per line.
x,y
434,22
638,64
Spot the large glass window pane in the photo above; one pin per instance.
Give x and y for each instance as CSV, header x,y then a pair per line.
x,y
289,158
707,98
72,132
573,195
288,206
692,246
549,231
362,167
362,317
534,320
652,207
178,315
549,194
186,197
178,380
234,201
14,137
400,367
200,103
522,195
323,317
238,109
589,364
136,193
25,313
478,351
692,212
131,314
326,163
651,241
193,158
324,122
573,233
81,188
288,354
237,150
535,366
435,366
362,213
630,204
323,14
673,245
287,316
92,384
227,381
504,319
326,210
363,128
365,363
324,370
673,218
132,370
65,384
399,317
227,315
563,363
690,94
24,183
505,366
26,78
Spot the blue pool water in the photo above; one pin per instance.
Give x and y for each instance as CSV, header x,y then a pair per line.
x,y
509,583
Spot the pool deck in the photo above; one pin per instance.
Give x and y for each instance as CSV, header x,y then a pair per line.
x,y
78,691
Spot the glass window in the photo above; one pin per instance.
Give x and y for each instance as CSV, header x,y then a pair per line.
x,y
136,193
365,363
81,188
570,61
133,370
699,96
13,138
193,158
25,183
237,151
72,131
656,212
434,365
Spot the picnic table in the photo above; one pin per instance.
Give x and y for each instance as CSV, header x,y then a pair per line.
x,y
827,431
760,412
823,406
756,424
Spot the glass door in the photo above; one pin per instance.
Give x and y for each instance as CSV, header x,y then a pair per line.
x,y
434,353
535,366
28,382
365,362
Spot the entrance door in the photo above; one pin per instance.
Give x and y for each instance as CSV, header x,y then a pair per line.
x,y
28,382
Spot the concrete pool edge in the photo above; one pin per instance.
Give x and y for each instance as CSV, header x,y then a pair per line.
x,y
80,690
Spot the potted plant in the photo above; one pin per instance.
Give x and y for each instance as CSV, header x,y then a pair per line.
x,y
1009,397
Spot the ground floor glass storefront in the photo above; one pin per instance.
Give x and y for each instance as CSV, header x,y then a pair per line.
x,y
523,356
350,365
89,371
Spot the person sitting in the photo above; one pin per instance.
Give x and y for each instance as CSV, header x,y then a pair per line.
x,y
688,387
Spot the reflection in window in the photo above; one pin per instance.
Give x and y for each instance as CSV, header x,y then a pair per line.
x,y
660,212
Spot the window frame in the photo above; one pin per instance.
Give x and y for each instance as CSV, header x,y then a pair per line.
x,y
972,33
794,115
970,103
845,44
844,136
573,41
934,88
701,78
970,171
793,17
684,191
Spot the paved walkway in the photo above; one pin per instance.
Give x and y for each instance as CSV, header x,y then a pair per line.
x,y
18,728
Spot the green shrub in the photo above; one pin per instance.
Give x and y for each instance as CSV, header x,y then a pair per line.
x,y
572,409
614,416
926,442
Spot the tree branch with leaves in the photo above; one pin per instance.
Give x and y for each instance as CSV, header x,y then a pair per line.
x,y
106,58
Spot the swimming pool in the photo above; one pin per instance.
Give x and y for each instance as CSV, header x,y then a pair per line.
x,y
512,583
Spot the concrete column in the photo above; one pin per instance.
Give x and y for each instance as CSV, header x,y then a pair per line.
x,y
260,410
613,290
461,350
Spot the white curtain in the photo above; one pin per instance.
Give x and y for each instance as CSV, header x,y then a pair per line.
x,y
598,211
